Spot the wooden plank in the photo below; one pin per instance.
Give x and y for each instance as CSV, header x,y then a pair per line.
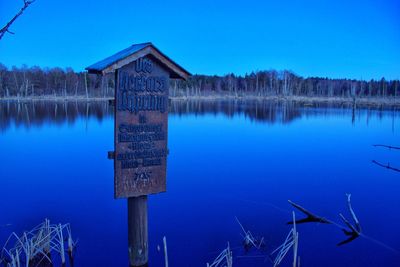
x,y
141,127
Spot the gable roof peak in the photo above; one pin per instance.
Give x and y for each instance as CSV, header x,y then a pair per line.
x,y
132,53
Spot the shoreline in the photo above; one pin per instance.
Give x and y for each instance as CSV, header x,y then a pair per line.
x,y
54,98
364,101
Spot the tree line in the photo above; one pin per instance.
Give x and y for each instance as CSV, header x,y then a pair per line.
x,y
27,81
283,83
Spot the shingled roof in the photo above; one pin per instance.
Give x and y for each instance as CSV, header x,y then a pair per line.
x,y
126,56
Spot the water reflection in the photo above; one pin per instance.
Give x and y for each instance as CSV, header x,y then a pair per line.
x,y
278,111
250,159
36,113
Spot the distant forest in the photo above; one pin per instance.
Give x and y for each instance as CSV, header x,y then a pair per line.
x,y
35,81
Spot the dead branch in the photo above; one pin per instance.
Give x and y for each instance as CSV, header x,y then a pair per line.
x,y
354,231
389,147
353,215
5,29
386,166
311,217
349,225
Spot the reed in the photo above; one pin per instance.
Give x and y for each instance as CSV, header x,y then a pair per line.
x,y
248,239
36,246
291,241
224,259
165,251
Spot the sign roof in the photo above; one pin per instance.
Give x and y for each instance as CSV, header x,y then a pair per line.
x,y
126,56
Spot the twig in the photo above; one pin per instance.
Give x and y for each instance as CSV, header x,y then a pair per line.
x,y
387,146
311,217
355,231
353,215
248,238
5,29
386,166
349,225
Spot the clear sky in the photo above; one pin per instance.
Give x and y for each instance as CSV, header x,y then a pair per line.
x,y
335,38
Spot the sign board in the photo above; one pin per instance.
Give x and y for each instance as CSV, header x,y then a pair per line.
x,y
142,74
141,128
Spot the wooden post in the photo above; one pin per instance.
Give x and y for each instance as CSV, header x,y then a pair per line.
x,y
142,76
137,231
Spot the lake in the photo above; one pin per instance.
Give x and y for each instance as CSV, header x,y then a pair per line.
x,y
227,159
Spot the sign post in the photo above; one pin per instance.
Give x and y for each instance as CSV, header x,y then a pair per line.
x,y
137,231
142,76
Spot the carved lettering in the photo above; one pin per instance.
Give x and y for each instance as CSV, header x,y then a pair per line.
x,y
141,128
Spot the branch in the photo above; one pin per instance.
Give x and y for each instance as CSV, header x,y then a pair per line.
x,y
5,29
349,225
355,231
386,166
311,217
390,147
353,215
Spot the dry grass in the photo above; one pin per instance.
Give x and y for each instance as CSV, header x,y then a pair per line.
x,y
36,246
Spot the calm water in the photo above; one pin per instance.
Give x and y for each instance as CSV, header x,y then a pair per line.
x,y
243,159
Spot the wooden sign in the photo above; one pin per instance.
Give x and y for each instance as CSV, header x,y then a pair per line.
x,y
141,128
142,74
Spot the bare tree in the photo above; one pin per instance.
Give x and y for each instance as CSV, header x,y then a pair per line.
x,y
5,29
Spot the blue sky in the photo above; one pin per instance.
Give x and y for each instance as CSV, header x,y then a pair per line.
x,y
337,39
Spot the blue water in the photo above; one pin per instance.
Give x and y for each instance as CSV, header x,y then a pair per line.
x,y
221,164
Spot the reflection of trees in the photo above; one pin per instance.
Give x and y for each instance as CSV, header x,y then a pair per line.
x,y
270,111
257,110
37,113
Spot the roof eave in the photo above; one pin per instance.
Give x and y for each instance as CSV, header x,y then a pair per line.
x,y
176,71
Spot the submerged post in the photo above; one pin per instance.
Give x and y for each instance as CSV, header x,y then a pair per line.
x,y
137,231
141,74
